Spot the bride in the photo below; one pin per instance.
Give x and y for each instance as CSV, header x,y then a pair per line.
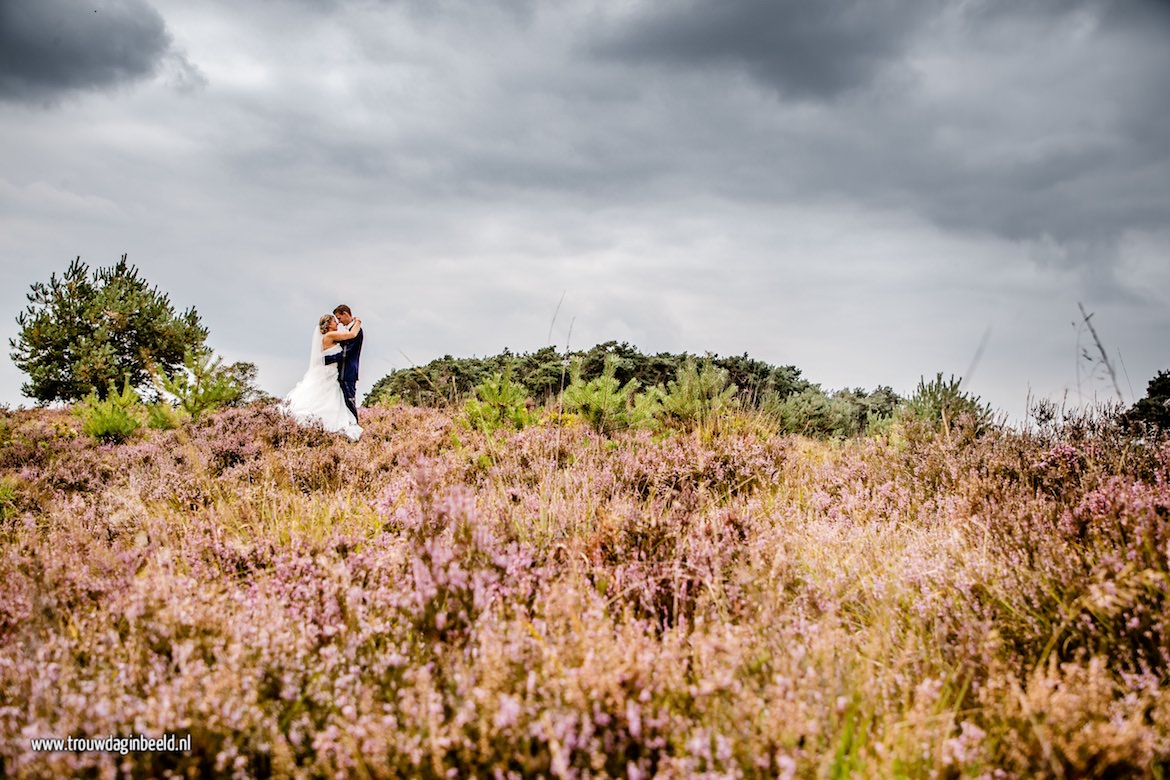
x,y
317,397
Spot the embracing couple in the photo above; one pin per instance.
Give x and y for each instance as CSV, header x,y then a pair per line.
x,y
327,394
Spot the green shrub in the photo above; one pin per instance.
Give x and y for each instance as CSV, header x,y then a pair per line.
x,y
498,401
647,408
1154,409
855,412
881,404
608,405
697,395
162,416
440,383
8,499
943,404
113,418
601,401
813,413
202,384
878,425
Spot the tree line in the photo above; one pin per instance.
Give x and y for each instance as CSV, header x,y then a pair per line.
x,y
95,336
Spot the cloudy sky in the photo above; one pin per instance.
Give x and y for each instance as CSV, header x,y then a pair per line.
x,y
870,190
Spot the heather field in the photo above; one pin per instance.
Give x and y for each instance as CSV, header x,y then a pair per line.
x,y
436,601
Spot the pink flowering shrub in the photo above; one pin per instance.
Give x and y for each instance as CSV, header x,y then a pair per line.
x,y
435,601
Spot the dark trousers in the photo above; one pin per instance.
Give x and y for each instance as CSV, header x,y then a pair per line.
x,y
349,393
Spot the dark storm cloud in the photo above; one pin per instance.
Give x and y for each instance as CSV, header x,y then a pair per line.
x,y
809,182
1138,13
1031,120
802,49
1133,14
49,48
1082,155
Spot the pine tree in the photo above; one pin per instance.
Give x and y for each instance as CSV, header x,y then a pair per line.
x,y
84,333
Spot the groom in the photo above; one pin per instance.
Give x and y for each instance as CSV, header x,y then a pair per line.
x,y
347,359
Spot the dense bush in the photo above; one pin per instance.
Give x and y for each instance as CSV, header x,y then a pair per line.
x,y
202,383
498,401
113,418
1154,409
699,394
679,390
609,405
545,373
813,412
164,417
944,403
8,498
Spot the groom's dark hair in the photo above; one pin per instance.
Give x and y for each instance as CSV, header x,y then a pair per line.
x,y
343,309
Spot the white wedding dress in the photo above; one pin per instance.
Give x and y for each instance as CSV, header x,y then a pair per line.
x,y
317,397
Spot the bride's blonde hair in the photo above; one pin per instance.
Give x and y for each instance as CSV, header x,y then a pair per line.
x,y
323,323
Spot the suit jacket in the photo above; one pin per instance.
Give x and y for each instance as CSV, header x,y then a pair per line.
x,y
349,358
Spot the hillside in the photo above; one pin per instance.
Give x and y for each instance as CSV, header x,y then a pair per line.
x,y
556,601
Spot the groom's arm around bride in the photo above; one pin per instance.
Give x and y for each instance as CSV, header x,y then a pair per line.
x,y
348,360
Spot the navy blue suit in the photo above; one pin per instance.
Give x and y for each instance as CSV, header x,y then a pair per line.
x,y
347,361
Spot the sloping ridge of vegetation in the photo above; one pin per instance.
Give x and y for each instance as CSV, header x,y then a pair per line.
x,y
543,596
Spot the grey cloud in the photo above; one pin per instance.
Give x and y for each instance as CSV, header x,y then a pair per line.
x,y
1098,167
49,48
1129,14
1138,14
426,11
804,50
452,158
1052,128
183,75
